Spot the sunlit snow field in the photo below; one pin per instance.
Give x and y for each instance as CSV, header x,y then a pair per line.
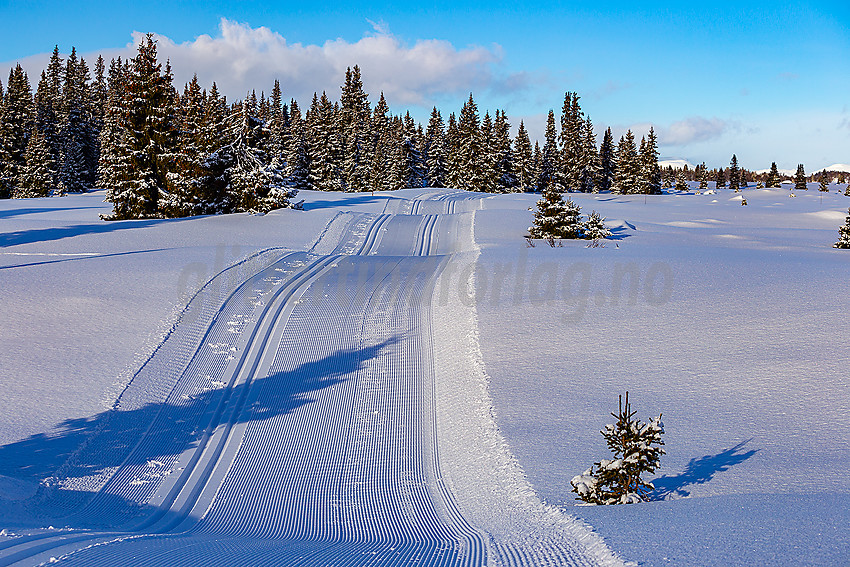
x,y
729,320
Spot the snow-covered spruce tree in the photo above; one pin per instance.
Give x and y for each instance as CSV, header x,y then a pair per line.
x,y
548,176
637,450
720,178
681,181
185,181
800,179
488,150
572,159
555,218
355,129
844,234
36,178
453,173
111,130
324,144
594,227
470,148
650,171
145,146
734,174
590,160
15,128
47,122
607,164
823,185
505,160
702,177
255,184
297,156
413,168
628,165
435,150
77,170
773,179
524,160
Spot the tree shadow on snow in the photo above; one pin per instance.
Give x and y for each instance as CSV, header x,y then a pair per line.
x,y
8,213
79,258
30,236
700,471
133,446
360,199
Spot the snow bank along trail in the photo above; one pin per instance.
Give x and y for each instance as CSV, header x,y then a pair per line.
x,y
290,419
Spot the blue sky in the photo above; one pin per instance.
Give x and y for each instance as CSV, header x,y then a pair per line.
x,y
768,81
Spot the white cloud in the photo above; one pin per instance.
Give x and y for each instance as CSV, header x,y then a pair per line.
x,y
242,58
690,130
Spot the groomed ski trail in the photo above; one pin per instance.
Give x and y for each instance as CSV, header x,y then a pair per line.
x,y
295,424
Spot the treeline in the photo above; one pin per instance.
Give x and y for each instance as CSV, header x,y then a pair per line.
x,y
162,153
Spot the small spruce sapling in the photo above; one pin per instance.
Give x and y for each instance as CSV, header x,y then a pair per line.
x,y
594,227
637,450
844,234
555,218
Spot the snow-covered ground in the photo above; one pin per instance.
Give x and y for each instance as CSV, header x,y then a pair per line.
x,y
730,320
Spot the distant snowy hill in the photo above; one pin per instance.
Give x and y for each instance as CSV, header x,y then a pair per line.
x,y
833,167
836,167
676,163
781,171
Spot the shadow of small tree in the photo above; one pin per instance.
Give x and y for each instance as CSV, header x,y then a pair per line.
x,y
700,471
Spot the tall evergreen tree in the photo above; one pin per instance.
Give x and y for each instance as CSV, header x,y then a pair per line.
x,y
734,174
590,159
823,185
453,165
607,162
16,122
526,180
97,100
185,196
572,160
702,177
36,178
254,184
46,121
75,175
435,150
505,168
384,147
297,155
536,165
800,179
324,145
628,165
489,155
548,178
470,148
773,179
650,170
413,173
145,150
355,118
720,178
111,131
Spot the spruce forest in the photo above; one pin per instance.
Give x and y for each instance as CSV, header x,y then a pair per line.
x,y
160,153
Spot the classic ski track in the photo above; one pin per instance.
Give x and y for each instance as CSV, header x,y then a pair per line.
x,y
388,503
